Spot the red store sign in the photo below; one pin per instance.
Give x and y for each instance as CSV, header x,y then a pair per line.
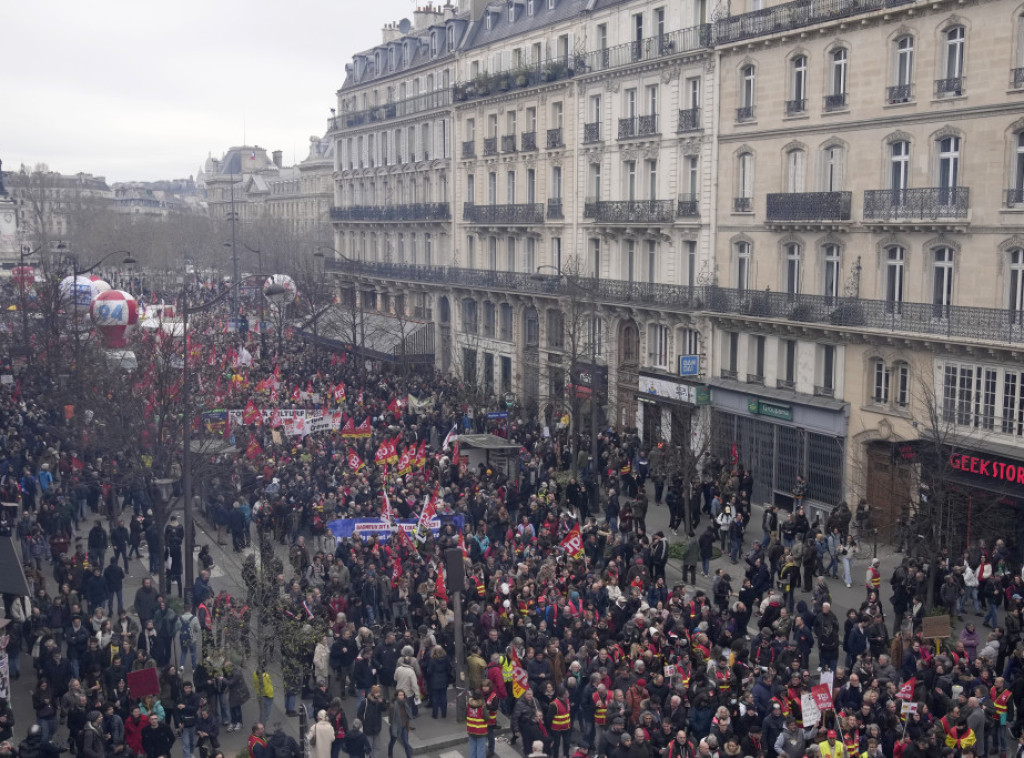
x,y
1000,470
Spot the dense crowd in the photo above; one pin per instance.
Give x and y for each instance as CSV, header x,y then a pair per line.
x,y
598,653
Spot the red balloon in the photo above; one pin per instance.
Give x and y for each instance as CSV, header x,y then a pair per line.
x,y
113,312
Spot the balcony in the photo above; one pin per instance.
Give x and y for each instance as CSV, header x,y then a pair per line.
x,y
951,87
441,98
629,211
490,146
743,205
1015,197
796,107
835,102
755,379
688,121
508,143
793,15
921,204
638,127
688,206
509,214
592,132
820,391
408,212
728,373
652,48
528,141
469,149
785,384
555,139
808,206
899,93
555,208
1017,78
745,113
1000,325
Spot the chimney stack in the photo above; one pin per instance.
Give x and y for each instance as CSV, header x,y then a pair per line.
x,y
277,158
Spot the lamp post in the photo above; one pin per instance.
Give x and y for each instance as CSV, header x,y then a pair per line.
x,y
592,329
259,255
24,255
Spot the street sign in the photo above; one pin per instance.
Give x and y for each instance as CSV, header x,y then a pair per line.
x,y
689,365
497,414
760,407
704,395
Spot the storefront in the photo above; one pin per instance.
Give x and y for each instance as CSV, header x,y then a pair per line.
x,y
666,407
779,435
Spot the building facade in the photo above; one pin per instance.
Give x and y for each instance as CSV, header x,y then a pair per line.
x,y
811,208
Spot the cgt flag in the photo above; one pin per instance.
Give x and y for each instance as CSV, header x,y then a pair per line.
x,y
573,542
520,682
907,689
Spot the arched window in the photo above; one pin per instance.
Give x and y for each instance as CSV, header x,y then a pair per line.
x,y
1015,195
901,90
798,86
838,69
881,381
743,201
953,62
748,85
796,170
899,166
901,384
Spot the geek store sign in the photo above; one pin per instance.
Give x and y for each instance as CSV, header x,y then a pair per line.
x,y
988,468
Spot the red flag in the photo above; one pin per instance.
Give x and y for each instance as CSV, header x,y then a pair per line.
x,y
354,461
253,451
363,430
251,414
349,430
519,679
296,395
339,392
573,542
455,452
381,458
275,419
421,455
395,406
392,450
405,462
387,514
404,538
448,438
907,689
359,399
439,588
396,572
462,544
735,454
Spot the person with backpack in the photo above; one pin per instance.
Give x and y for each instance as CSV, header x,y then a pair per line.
x,y
188,634
356,743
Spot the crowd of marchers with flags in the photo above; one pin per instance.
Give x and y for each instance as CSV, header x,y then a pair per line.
x,y
574,632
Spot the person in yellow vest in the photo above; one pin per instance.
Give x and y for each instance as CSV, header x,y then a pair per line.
x,y
561,721
873,577
476,725
831,747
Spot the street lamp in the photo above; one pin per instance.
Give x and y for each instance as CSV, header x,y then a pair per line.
x,y
259,255
590,295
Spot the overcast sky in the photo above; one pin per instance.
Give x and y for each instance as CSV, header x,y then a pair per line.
x,y
140,90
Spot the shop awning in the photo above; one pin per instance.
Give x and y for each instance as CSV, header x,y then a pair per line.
x,y
789,396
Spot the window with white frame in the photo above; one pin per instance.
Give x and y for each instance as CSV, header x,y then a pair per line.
x,y
880,393
942,281
798,85
743,263
1016,194
826,370
505,316
899,165
530,255
954,53
510,253
745,163
894,271
689,342
595,257
904,71
595,335
839,62
1015,284
949,168
833,159
796,170
793,268
657,345
831,270
901,388
492,253
629,262
748,82
652,261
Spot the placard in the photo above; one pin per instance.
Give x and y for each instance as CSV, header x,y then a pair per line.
x,y
908,707
6,378
809,711
935,627
670,671
822,697
826,678
143,682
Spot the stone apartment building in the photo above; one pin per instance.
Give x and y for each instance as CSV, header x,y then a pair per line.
x,y
811,209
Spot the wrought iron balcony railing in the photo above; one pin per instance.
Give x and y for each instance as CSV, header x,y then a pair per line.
x,y
689,120
808,206
835,102
794,107
742,205
555,139
961,322
638,127
508,143
528,141
490,145
755,378
785,384
441,98
919,204
688,206
745,113
406,212
469,149
793,15
728,373
1014,197
629,211
680,41
949,87
592,132
1017,77
899,93
555,208
510,213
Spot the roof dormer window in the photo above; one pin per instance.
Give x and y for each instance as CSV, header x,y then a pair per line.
x,y
392,57
433,44
407,58
511,12
451,37
551,4
376,62
529,7
489,21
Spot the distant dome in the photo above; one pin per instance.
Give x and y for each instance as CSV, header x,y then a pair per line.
x,y
404,25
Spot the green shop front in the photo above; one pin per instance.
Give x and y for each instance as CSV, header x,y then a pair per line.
x,y
778,435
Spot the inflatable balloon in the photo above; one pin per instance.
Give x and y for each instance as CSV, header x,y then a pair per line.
x,y
113,312
23,276
279,289
98,286
76,291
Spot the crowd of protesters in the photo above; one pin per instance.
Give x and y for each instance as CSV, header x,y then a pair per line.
x,y
599,653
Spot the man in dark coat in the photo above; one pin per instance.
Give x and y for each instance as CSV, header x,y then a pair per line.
x,y
157,738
